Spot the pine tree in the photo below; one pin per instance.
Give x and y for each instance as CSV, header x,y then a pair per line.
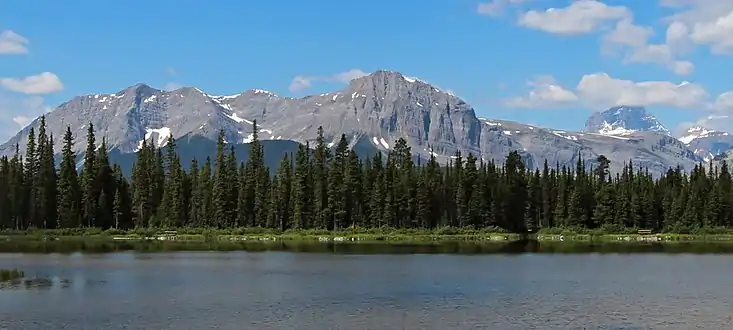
x,y
280,198
69,195
105,184
220,191
259,178
30,181
206,185
321,157
302,189
337,199
90,193
141,185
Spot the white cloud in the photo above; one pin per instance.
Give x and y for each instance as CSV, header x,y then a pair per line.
x,y
496,7
706,23
716,122
660,54
626,33
43,83
599,90
171,71
717,34
633,41
546,92
171,86
724,102
346,77
581,17
300,83
12,43
18,111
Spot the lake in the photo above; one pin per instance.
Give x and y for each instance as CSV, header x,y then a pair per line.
x,y
439,286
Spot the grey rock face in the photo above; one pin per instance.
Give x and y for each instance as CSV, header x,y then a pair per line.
x,y
623,119
706,142
374,110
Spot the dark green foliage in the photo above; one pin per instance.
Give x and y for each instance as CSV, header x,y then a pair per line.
x,y
334,189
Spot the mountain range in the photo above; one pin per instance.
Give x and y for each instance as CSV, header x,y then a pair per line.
x,y
372,112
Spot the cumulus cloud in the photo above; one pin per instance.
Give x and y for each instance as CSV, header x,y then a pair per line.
x,y
718,122
707,23
12,43
602,89
545,92
171,86
18,111
496,7
633,42
43,83
599,90
300,83
581,17
622,36
724,102
626,33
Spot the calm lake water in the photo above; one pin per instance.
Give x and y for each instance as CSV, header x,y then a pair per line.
x,y
354,288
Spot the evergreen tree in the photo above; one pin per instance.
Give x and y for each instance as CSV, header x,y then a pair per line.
x,y
220,190
90,193
321,157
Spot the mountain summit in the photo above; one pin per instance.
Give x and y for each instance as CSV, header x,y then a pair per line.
x,y
706,142
372,112
623,120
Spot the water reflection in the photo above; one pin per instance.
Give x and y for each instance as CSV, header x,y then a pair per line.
x,y
371,286
75,246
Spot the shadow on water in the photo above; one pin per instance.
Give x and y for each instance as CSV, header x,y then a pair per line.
x,y
515,247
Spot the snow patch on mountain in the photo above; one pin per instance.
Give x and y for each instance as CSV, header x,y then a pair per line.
x,y
162,135
624,120
697,132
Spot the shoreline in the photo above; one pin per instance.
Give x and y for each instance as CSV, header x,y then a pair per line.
x,y
366,236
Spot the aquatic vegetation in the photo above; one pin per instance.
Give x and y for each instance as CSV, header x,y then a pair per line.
x,y
7,275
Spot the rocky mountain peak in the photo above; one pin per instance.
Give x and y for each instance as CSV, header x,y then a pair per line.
x,y
706,142
138,90
697,132
373,112
621,120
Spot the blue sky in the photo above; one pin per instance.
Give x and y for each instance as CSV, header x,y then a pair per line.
x,y
510,59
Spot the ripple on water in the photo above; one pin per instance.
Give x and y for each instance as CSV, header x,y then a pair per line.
x,y
242,290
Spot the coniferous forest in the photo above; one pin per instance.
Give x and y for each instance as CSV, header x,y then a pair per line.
x,y
331,188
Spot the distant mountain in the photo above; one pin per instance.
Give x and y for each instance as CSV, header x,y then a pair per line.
x,y
373,112
623,120
706,142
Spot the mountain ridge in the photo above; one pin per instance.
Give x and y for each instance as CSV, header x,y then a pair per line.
x,y
706,142
622,119
374,110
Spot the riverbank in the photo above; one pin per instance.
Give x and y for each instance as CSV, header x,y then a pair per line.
x,y
386,235
210,235
661,238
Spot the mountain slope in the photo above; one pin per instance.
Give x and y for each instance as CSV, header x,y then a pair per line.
x,y
706,142
623,119
373,112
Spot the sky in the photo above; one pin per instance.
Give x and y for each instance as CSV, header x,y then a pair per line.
x,y
543,62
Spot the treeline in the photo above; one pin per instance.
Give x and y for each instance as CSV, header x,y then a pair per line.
x,y
326,188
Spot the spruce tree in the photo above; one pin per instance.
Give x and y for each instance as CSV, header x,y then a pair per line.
x,y
220,190
90,193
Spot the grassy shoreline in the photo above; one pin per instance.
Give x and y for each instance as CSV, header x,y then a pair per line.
x,y
362,235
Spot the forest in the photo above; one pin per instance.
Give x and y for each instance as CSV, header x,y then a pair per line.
x,y
332,188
